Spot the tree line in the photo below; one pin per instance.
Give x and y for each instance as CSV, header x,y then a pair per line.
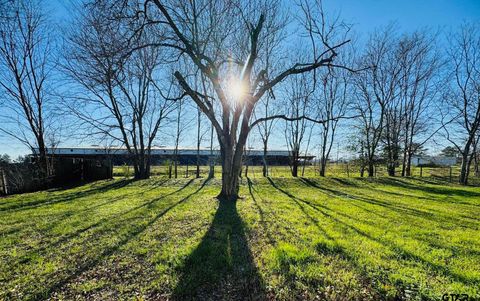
x,y
124,72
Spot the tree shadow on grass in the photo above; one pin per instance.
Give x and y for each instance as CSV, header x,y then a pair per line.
x,y
399,208
328,246
134,230
433,188
400,252
19,206
65,238
222,265
428,214
263,222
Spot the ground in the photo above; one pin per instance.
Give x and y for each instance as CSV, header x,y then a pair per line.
x,y
286,239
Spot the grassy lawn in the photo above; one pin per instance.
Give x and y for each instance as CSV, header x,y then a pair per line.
x,y
333,238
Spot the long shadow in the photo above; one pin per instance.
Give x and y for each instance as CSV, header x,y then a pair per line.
x,y
134,230
263,222
330,246
432,216
345,182
427,189
108,201
70,196
99,223
222,266
400,252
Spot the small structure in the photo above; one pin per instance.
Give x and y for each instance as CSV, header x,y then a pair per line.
x,y
27,177
433,161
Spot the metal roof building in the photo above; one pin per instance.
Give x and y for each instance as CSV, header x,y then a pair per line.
x,y
120,155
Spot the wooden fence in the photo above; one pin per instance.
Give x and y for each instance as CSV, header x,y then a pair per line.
x,y
27,177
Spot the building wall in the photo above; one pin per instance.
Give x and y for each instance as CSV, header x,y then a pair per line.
x,y
433,160
160,156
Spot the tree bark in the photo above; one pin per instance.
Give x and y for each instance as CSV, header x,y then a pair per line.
x,y
265,166
371,169
231,168
408,167
323,167
197,171
463,180
391,169
294,163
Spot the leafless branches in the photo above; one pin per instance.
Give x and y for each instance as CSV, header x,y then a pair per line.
x,y
25,62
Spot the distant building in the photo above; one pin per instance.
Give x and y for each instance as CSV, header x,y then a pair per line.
x,y
433,160
185,156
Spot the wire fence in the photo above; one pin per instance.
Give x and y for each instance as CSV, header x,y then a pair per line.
x,y
450,174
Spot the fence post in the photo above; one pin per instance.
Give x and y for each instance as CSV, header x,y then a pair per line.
x,y
348,172
450,174
421,171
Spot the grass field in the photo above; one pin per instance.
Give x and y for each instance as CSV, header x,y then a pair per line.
x,y
333,238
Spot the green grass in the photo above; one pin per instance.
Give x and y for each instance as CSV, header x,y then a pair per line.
x,y
307,238
341,170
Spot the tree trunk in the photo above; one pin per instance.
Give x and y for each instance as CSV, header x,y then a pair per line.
x,y
265,166
175,172
246,170
391,169
295,170
475,165
230,185
197,171
294,163
141,167
43,160
404,162
463,180
212,159
408,167
323,167
371,169
231,168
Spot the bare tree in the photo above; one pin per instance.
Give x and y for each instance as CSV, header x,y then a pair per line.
x,y
265,128
226,26
121,94
297,104
180,128
331,102
463,94
419,63
378,103
26,61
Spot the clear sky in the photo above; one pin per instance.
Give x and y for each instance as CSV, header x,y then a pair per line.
x,y
365,15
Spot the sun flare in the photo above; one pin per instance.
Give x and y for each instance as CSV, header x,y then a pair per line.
x,y
237,89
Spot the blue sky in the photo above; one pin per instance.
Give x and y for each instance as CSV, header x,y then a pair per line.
x,y
365,15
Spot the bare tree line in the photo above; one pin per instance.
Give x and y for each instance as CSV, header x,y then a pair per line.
x,y
134,69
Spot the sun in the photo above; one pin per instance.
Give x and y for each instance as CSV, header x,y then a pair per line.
x,y
237,89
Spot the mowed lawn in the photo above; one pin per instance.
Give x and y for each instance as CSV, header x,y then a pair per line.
x,y
286,239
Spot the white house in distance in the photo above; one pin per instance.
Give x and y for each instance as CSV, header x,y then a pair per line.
x,y
433,160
